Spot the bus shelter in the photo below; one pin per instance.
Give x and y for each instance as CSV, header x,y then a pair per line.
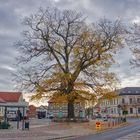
x,y
5,105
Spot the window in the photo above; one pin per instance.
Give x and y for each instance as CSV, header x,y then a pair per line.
x,y
114,101
138,100
131,110
111,102
139,110
130,100
114,110
123,100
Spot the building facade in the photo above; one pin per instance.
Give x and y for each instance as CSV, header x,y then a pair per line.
x,y
41,111
60,109
13,101
32,111
127,103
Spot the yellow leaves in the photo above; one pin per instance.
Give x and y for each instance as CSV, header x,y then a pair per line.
x,y
57,78
85,35
36,96
75,95
76,50
105,93
58,46
80,85
86,95
58,98
62,78
110,95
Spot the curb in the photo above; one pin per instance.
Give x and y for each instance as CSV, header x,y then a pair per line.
x,y
106,129
96,132
60,138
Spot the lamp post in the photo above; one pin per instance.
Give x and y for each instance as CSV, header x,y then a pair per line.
x,y
125,111
119,110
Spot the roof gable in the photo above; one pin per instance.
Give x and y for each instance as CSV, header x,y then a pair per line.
x,y
10,96
130,91
2,101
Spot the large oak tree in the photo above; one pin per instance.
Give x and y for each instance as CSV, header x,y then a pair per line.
x,y
63,55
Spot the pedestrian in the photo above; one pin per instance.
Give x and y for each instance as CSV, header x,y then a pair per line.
x,y
27,123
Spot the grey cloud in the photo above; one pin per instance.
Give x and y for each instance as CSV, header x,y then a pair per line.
x,y
112,9
13,11
122,67
7,17
6,83
131,80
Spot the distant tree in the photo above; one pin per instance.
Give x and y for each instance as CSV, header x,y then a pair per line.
x,y
63,55
124,108
134,42
135,104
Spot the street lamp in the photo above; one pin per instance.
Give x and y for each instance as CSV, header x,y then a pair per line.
x,y
119,110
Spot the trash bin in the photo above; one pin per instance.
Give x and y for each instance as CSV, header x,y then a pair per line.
x,y
124,119
4,125
27,125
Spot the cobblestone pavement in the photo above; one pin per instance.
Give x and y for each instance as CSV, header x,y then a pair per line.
x,y
132,136
45,132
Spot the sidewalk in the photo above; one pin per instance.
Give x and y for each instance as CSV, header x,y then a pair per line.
x,y
50,131
45,132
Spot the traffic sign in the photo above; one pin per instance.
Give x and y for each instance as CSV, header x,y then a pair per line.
x,y
98,125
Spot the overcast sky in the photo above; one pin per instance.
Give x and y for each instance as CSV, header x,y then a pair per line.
x,y
13,11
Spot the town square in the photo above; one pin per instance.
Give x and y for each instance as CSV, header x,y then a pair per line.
x,y
69,70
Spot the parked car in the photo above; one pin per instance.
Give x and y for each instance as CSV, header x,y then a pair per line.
x,y
104,118
51,116
41,114
98,116
11,115
108,116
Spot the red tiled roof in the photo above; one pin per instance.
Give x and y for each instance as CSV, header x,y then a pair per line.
x,y
32,110
2,101
10,96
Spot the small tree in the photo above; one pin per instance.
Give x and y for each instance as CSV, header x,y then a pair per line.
x,y
135,104
134,40
65,56
124,108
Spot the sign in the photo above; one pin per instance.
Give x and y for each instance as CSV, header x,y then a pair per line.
x,y
98,125
60,114
81,113
119,106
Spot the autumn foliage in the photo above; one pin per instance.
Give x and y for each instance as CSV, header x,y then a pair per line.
x,y
65,56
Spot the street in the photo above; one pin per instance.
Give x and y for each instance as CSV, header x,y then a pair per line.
x,y
114,133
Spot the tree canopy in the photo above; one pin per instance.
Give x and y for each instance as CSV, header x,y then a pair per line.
x,y
62,54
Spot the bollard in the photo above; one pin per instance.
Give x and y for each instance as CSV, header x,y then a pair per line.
x,y
27,124
108,123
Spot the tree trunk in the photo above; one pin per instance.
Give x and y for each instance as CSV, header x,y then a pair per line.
x,y
71,109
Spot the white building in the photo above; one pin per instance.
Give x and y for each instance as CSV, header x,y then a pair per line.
x,y
12,101
57,107
128,101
